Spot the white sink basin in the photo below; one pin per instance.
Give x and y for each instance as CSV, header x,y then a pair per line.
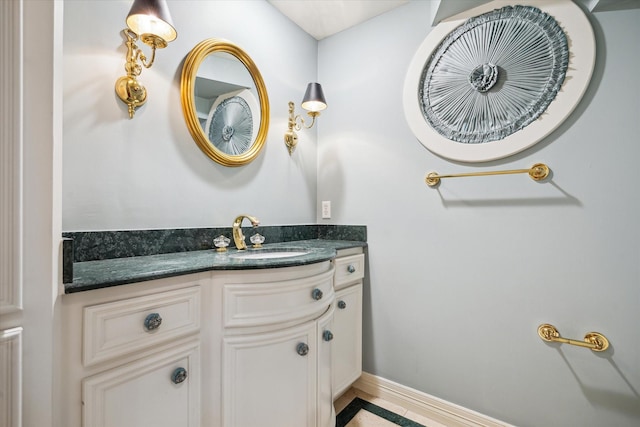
x,y
268,254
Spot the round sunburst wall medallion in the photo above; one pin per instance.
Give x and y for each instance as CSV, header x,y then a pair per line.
x,y
231,127
486,86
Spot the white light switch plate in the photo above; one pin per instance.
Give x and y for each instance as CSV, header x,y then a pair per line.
x,y
326,209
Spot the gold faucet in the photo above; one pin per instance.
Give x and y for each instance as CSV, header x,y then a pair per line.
x,y
238,237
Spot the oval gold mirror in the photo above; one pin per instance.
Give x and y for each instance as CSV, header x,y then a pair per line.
x,y
225,102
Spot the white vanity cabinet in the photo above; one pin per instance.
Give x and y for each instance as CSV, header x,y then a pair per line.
x,y
132,355
265,347
276,367
346,363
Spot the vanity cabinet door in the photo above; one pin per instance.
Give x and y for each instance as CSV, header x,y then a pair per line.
x,y
160,391
269,379
347,342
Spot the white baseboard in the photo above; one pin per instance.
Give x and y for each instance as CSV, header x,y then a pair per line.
x,y
439,410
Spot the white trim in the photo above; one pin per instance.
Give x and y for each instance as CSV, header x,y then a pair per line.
x,y
11,377
42,95
423,404
11,158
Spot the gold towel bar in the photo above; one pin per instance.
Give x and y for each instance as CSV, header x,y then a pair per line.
x,y
593,340
537,172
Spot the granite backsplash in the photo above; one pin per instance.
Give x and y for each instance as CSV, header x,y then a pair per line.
x,y
83,246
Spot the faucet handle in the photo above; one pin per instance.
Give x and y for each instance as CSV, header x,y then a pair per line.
x,y
221,243
257,240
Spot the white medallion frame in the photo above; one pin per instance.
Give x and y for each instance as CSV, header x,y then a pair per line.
x,y
582,55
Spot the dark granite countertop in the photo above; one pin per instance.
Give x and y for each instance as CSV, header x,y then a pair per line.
x,y
90,275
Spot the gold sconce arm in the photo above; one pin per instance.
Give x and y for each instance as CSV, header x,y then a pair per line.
x,y
299,122
134,52
592,340
537,172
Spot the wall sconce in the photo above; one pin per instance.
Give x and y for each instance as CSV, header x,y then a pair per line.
x,y
313,102
150,22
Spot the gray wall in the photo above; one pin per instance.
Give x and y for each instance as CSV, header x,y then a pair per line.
x,y
461,276
147,172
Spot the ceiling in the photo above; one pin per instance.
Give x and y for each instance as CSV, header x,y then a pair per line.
x,y
322,18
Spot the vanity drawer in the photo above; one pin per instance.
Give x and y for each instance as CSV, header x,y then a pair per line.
x,y
348,269
127,326
261,304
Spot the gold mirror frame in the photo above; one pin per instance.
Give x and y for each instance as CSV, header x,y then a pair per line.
x,y
187,95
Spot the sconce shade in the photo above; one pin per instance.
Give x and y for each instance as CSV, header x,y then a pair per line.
x,y
313,100
151,17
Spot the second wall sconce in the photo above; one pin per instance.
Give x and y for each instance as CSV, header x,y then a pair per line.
x,y
150,22
313,102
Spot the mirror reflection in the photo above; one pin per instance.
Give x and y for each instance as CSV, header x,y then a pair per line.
x,y
224,101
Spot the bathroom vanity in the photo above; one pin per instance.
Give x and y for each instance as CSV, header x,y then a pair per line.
x,y
249,342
